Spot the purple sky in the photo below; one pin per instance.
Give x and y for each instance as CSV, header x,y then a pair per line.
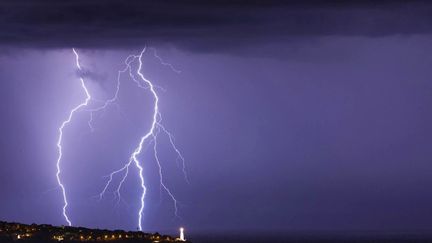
x,y
321,131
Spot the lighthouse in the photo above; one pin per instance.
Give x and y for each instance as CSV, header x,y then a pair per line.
x,y
182,238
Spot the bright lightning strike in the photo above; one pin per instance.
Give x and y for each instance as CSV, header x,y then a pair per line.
x,y
150,136
60,138
179,154
108,102
161,180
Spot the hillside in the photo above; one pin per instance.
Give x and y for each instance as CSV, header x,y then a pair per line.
x,y
16,232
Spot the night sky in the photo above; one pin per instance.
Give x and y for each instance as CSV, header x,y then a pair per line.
x,y
291,115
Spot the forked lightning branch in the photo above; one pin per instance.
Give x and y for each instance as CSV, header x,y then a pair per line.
x,y
150,137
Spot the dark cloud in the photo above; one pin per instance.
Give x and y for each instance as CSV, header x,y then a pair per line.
x,y
202,25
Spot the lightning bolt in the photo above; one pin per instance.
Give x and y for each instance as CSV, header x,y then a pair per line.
x,y
163,62
112,100
179,154
150,136
60,138
161,180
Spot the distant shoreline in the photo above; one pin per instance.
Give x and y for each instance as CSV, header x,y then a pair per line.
x,y
17,232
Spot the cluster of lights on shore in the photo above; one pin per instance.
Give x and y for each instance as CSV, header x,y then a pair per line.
x,y
149,137
61,237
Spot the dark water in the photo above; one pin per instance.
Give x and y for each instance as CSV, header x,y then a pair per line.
x,y
314,238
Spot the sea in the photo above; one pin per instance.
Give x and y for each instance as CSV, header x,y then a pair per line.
x,y
315,237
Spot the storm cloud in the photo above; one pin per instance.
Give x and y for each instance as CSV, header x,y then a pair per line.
x,y
202,25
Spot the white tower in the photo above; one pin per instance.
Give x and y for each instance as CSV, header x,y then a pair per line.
x,y
182,238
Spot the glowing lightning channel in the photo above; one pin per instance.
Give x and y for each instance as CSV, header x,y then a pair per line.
x,y
151,134
128,61
59,142
179,154
163,62
145,137
161,180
